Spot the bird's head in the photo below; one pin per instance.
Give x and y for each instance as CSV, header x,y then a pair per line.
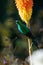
x,y
18,22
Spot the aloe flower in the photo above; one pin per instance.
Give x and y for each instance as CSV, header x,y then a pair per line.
x,y
25,9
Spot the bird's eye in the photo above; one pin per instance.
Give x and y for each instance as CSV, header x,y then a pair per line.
x,y
16,21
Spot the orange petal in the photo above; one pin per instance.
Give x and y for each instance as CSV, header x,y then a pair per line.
x,y
25,9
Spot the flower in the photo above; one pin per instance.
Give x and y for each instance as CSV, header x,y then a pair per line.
x,y
37,57
25,9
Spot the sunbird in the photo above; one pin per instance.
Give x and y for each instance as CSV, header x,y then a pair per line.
x,y
26,31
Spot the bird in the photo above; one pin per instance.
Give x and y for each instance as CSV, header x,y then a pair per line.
x,y
26,31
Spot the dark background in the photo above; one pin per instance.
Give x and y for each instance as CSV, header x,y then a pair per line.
x,y
8,16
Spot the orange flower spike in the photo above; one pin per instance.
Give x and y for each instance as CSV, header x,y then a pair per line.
x,y
25,9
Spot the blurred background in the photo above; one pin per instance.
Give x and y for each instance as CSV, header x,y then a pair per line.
x,y
13,44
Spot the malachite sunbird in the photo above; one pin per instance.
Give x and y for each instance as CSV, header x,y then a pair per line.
x,y
26,31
